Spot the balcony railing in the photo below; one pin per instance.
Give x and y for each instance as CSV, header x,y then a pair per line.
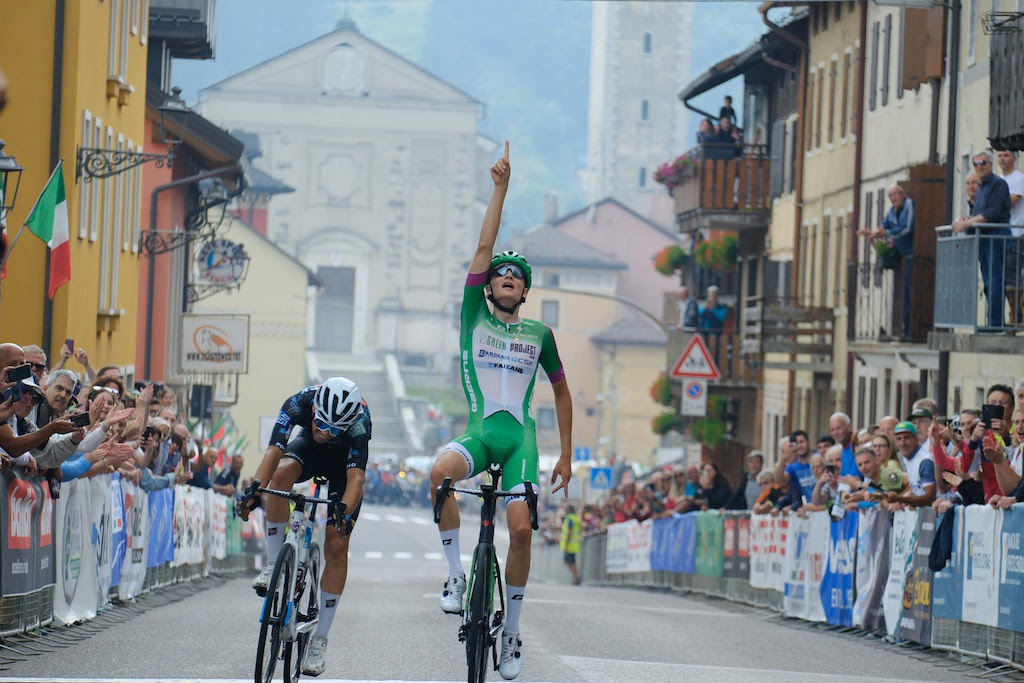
x,y
724,349
723,186
878,312
781,325
969,267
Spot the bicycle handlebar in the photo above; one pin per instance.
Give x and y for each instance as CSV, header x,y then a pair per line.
x,y
334,499
446,487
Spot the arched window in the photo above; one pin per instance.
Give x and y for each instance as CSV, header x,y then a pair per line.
x,y
642,179
644,110
647,42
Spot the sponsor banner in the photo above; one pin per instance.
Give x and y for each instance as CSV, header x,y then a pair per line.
x,y
662,532
117,526
709,544
218,509
916,620
777,539
214,343
736,545
947,585
26,552
980,559
837,584
75,596
817,560
161,527
759,531
629,547
794,595
234,531
903,541
102,536
873,542
1011,570
136,525
190,525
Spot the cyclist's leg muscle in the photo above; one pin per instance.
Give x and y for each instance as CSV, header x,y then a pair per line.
x,y
457,461
517,566
287,473
335,561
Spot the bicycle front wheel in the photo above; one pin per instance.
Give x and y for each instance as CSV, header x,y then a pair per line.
x,y
307,609
275,612
478,636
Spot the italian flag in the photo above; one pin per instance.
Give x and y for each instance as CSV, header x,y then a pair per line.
x,y
49,222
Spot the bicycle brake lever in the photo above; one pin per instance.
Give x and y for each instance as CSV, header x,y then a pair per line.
x,y
338,508
441,497
531,504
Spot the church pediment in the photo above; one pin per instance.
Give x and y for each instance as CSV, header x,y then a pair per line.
x,y
344,65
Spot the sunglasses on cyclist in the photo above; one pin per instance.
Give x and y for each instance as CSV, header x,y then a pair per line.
x,y
324,427
505,268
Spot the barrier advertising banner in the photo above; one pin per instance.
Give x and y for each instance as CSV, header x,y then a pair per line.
x,y
136,524
190,525
233,544
903,540
759,533
218,509
916,619
161,528
26,554
120,538
980,570
1011,570
629,547
837,583
736,545
75,596
777,552
947,585
872,566
794,596
817,560
102,535
709,543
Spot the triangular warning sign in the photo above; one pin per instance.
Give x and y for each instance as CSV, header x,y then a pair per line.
x,y
696,362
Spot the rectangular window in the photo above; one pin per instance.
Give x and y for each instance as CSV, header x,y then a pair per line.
x,y
873,403
127,222
814,18
647,43
112,50
885,59
821,97
545,417
549,313
809,114
899,57
840,268
972,32
136,205
872,100
107,232
832,99
880,206
791,157
824,17
844,112
125,28
644,110
143,21
827,269
83,187
838,10
642,177
135,16
860,400
94,185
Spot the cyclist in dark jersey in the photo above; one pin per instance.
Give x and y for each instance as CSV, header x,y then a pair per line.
x,y
500,355
332,442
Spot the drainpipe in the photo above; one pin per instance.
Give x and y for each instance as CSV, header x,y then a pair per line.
x,y
55,111
858,162
151,271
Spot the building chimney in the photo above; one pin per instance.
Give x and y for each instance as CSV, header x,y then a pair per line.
x,y
550,208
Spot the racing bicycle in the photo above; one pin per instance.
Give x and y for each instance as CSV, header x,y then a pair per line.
x,y
481,622
292,603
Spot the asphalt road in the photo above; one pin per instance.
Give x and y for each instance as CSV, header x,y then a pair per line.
x,y
389,627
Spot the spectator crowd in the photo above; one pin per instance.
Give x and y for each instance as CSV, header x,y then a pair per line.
x,y
64,425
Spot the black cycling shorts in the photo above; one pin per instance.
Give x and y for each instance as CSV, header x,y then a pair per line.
x,y
322,460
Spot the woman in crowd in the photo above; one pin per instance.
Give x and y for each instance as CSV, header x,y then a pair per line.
x,y
715,490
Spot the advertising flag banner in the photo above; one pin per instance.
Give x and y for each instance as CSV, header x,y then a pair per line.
x,y
629,547
1011,570
684,543
873,525
75,595
161,527
982,526
903,540
947,585
759,539
916,619
218,508
817,560
837,583
662,533
736,545
27,513
102,536
117,524
778,538
234,533
136,524
794,596
709,543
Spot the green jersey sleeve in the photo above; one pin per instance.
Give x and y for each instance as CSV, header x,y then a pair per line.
x,y
549,359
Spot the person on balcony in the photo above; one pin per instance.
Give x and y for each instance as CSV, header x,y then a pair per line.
x,y
687,310
727,112
898,225
727,143
713,313
991,206
706,132
971,189
1007,161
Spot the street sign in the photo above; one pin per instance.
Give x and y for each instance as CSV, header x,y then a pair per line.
x,y
696,362
581,453
695,398
601,478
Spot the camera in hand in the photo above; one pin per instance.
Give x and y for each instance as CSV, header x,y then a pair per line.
x,y
19,372
79,419
990,412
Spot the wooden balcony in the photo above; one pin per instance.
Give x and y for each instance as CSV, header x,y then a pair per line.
x,y
774,325
724,187
725,351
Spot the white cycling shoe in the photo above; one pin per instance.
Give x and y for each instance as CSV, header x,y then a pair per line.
x,y
260,582
315,661
451,598
510,664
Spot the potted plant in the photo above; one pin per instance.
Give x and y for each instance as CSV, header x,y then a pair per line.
x,y
885,250
720,254
664,423
661,390
670,259
671,173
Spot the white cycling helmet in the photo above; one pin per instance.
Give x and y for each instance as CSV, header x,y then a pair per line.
x,y
338,402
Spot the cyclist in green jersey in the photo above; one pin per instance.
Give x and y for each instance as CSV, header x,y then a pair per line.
x,y
500,355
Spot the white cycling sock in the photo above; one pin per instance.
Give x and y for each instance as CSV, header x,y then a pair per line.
x,y
450,543
514,607
328,607
276,532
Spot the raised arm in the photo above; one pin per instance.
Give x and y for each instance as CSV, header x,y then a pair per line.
x,y
500,173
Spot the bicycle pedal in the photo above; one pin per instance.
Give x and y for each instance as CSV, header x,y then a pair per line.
x,y
261,592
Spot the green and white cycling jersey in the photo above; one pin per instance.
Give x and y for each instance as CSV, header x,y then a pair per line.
x,y
499,364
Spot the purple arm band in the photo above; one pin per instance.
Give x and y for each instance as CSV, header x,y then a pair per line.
x,y
476,279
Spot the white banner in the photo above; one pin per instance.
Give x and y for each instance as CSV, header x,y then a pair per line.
x,y
133,569
189,525
629,547
873,542
794,596
214,343
218,506
102,535
903,540
777,552
818,537
982,526
75,596
760,532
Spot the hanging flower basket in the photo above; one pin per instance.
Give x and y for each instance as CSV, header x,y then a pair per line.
x,y
885,250
670,259
671,173
661,390
664,423
720,254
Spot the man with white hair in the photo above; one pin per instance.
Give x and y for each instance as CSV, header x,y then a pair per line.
x,y
840,426
59,388
898,226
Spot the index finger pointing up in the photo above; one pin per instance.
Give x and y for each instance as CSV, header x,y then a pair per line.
x,y
506,150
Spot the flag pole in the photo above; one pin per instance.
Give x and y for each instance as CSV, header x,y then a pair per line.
x,y
22,228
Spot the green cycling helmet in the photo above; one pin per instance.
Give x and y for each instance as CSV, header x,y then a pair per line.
x,y
515,259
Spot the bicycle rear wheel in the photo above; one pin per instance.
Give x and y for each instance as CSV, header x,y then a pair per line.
x,y
307,609
478,636
275,612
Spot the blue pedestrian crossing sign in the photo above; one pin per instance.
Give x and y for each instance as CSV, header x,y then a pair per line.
x,y
601,478
581,453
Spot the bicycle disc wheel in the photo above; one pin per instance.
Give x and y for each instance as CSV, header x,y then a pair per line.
x,y
275,611
478,632
307,609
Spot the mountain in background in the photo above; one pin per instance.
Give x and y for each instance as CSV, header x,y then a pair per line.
x,y
528,60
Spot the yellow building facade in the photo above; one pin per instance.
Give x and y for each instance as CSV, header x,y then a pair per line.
x,y
82,88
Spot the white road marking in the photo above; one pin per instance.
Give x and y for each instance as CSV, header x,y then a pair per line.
x,y
370,517
421,520
403,556
374,554
466,558
396,519
433,556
